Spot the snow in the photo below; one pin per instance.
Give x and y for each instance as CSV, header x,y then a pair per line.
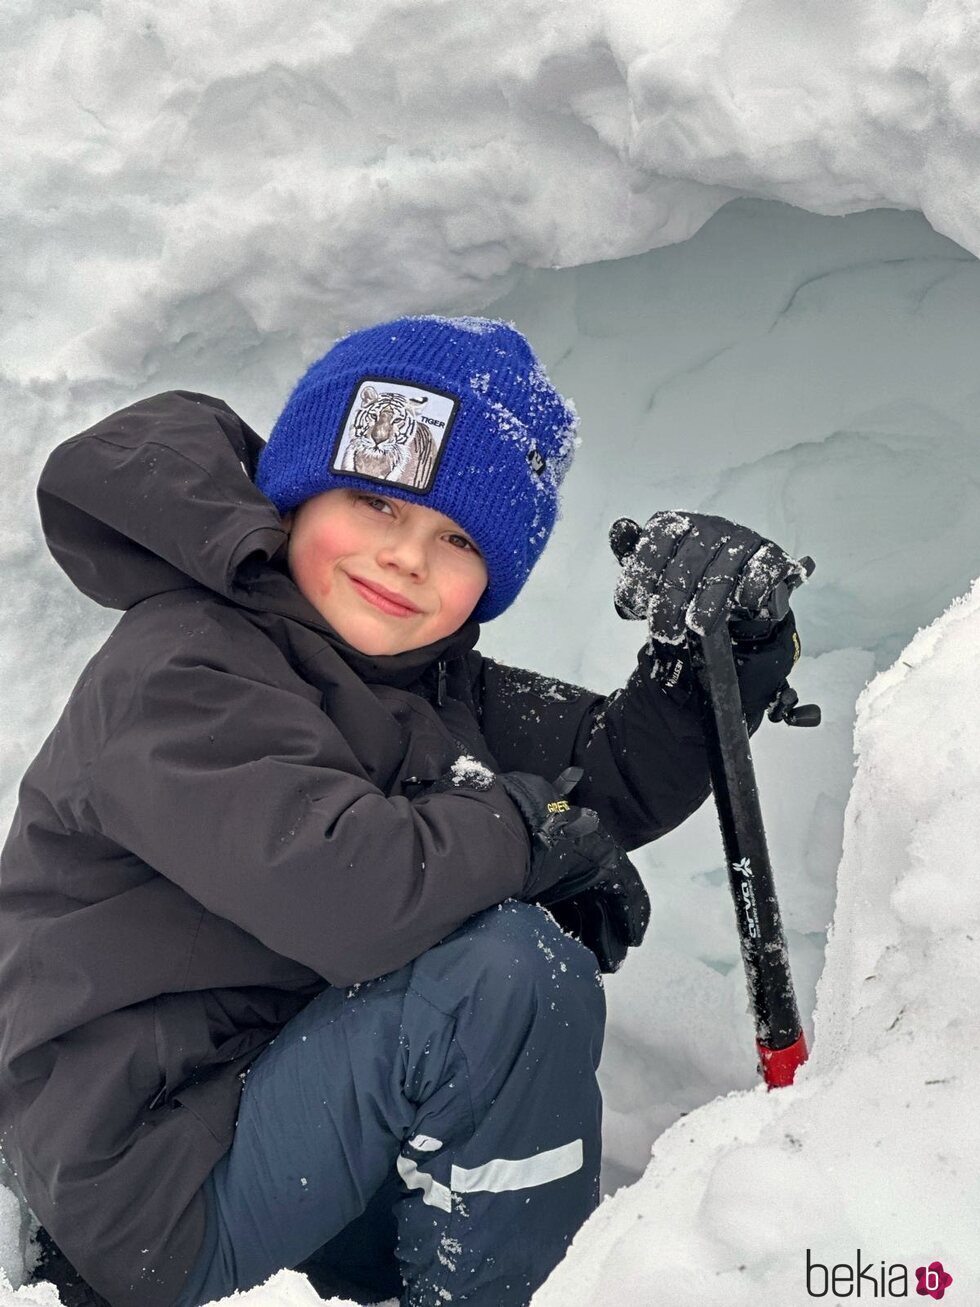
x,y
471,773
261,173
13,1238
287,1289
35,1295
876,1146
204,197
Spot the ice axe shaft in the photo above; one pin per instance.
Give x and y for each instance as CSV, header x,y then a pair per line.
x,y
780,1041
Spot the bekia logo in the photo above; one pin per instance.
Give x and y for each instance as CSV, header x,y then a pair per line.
x,y
846,1281
933,1280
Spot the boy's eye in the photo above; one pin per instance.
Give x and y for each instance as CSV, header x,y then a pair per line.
x,y
375,501
463,543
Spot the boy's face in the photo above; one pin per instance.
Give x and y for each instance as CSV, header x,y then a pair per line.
x,y
386,574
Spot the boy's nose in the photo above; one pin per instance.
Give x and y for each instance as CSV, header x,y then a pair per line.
x,y
404,550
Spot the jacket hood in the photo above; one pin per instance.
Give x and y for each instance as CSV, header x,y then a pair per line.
x,y
160,497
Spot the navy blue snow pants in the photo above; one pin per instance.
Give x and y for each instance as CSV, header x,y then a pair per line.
x,y
432,1135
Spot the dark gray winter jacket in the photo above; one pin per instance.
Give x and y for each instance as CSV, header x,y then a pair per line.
x,y
230,814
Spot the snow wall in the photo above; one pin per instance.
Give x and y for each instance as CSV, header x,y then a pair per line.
x,y
175,218
877,1145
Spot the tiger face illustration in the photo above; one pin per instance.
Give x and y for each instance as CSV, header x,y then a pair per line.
x,y
387,440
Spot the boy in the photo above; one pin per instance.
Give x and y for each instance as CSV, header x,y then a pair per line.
x,y
278,988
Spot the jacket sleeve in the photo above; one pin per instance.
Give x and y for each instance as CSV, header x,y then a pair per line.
x,y
247,796
641,748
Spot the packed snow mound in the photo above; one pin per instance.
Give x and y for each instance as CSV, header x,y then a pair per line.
x,y
877,1145
287,1289
299,168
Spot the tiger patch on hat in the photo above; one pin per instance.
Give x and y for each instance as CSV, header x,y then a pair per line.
x,y
395,433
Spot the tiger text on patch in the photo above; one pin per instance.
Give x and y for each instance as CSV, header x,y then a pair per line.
x,y
394,432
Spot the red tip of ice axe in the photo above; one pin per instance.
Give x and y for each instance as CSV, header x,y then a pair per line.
x,y
778,1065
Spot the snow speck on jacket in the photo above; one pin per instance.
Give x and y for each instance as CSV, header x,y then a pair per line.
x,y
234,810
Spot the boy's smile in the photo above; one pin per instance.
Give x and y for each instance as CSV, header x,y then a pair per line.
x,y
387,574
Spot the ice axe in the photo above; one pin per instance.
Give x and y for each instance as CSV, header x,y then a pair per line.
x,y
780,1040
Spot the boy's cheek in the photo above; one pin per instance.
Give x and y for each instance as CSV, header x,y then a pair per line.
x,y
465,601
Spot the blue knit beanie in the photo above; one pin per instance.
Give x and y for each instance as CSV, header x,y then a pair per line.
x,y
455,414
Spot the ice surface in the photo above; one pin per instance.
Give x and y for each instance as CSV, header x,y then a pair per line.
x,y
175,217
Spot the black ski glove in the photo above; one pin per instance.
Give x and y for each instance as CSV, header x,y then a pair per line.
x,y
765,654
577,870
690,571
762,663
